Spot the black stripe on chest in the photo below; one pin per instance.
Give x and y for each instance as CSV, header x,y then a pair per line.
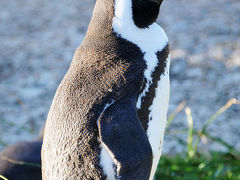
x,y
147,100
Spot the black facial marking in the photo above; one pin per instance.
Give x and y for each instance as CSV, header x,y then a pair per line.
x,y
147,100
145,12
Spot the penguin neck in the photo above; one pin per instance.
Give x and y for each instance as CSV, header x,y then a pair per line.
x,y
101,21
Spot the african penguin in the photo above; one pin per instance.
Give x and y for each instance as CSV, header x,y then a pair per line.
x,y
108,116
12,157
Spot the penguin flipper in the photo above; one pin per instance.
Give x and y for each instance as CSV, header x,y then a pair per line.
x,y
122,133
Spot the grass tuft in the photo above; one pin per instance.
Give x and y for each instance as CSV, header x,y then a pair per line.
x,y
192,164
219,166
3,178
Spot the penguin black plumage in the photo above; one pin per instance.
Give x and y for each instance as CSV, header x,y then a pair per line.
x,y
108,115
11,159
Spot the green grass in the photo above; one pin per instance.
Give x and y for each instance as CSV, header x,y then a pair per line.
x,y
218,166
193,164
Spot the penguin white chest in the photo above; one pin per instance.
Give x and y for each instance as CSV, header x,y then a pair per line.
x,y
157,117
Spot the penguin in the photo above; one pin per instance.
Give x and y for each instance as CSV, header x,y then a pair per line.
x,y
109,113
13,157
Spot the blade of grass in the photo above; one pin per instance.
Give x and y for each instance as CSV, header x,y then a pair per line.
x,y
190,152
230,148
195,148
21,162
218,172
201,133
2,177
175,112
219,112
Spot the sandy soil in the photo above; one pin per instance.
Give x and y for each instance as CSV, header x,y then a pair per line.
x,y
38,39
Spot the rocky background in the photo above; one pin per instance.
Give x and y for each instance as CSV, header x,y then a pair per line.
x,y
38,39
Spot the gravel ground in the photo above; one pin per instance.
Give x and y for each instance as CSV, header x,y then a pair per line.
x,y
38,39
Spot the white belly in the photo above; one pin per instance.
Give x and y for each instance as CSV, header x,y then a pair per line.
x,y
158,116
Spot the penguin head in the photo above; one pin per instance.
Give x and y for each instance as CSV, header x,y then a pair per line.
x,y
145,12
109,13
